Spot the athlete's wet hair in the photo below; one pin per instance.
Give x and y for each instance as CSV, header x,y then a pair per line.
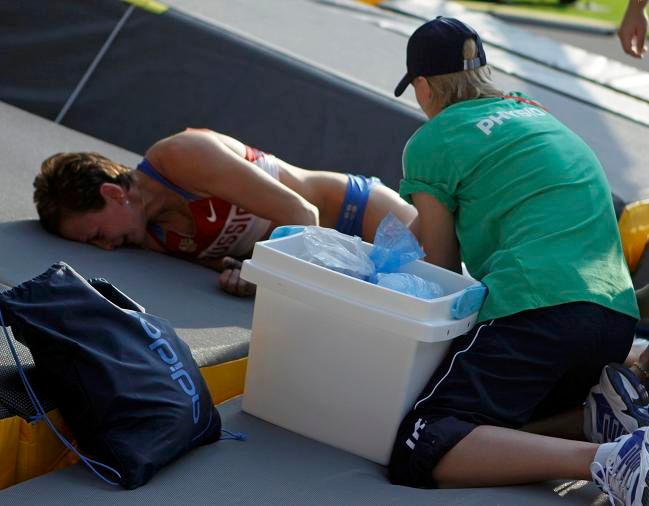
x,y
69,183
465,85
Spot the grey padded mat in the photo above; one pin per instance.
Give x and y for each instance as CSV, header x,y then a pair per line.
x,y
275,466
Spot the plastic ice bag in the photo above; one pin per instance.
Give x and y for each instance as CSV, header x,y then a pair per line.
x,y
286,230
409,284
394,245
337,251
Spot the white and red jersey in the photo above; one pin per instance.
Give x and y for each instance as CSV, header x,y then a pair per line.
x,y
221,228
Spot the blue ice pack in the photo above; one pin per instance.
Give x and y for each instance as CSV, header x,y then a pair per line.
x,y
286,230
469,301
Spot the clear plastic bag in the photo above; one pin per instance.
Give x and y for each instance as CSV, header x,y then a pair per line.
x,y
394,248
337,251
409,284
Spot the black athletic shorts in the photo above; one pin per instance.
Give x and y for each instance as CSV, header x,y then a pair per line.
x,y
519,368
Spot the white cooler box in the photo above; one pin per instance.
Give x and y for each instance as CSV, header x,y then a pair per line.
x,y
338,359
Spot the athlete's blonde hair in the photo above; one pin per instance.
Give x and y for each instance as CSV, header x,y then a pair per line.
x,y
464,85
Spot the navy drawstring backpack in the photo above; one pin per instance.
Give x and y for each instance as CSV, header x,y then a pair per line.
x,y
125,383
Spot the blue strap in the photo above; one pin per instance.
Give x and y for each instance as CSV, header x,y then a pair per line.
x,y
469,301
41,415
238,436
157,230
148,169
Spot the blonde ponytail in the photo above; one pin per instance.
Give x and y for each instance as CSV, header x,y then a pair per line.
x,y
465,85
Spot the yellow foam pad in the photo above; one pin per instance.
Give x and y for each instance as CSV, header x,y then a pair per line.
x,y
31,449
634,231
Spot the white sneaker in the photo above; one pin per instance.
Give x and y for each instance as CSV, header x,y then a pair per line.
x,y
616,405
624,476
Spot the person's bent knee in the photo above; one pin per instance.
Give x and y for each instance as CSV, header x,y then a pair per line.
x,y
420,444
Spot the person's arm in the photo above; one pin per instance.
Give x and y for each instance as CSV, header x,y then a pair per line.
x,y
201,163
633,30
230,279
229,270
434,227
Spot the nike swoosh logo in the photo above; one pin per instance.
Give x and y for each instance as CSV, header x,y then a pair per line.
x,y
212,217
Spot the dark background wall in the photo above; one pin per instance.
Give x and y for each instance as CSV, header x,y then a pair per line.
x,y
165,72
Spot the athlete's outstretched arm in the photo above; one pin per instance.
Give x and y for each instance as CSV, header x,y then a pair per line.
x,y
230,279
200,162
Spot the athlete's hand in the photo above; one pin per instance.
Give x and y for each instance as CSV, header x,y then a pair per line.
x,y
230,279
633,30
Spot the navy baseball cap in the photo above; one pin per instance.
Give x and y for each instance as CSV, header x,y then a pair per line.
x,y
435,48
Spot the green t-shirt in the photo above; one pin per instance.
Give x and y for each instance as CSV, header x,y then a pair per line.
x,y
532,207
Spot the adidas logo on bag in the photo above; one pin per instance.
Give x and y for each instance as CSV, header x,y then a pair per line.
x,y
178,373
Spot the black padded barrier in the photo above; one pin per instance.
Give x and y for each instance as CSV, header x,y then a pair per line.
x,y
45,48
166,72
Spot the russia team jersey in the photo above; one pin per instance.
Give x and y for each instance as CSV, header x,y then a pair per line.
x,y
221,228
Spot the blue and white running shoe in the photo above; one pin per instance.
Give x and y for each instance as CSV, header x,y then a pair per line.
x,y
624,475
617,405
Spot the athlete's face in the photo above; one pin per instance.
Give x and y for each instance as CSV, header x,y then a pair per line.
x,y
120,223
